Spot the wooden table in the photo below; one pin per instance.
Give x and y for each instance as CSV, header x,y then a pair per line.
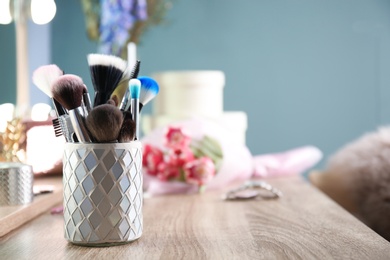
x,y
303,224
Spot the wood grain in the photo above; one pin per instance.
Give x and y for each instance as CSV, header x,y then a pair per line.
x,y
12,217
303,224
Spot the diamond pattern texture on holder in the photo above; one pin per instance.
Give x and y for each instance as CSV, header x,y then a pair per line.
x,y
80,172
109,160
88,185
90,161
117,170
102,195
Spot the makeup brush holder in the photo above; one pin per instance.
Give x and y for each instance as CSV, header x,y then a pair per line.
x,y
102,193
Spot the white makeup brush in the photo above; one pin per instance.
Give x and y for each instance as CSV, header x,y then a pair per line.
x,y
107,72
68,90
43,77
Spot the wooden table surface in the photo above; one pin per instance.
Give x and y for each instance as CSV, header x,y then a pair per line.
x,y
303,224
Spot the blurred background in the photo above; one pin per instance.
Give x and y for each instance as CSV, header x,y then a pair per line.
x,y
305,72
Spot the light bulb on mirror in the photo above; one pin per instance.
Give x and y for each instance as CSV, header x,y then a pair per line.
x,y
42,11
5,12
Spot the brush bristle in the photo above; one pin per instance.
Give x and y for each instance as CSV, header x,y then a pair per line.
x,y
135,88
107,71
135,70
68,91
133,73
113,101
44,76
106,60
127,132
149,89
104,122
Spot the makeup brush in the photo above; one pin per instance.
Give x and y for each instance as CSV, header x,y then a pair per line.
x,y
63,126
149,89
127,131
125,89
104,122
43,77
68,90
106,73
135,71
135,87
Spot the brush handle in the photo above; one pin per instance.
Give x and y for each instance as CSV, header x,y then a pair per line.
x,y
135,116
125,100
60,110
78,124
87,102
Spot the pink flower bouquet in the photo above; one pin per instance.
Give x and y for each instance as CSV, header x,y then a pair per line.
x,y
183,159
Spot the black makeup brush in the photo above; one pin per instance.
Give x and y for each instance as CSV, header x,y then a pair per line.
x,y
68,90
127,132
104,122
107,72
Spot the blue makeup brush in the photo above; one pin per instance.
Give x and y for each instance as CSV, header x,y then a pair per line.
x,y
135,88
149,89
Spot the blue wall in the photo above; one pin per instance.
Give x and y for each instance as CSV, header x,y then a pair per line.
x,y
305,72
7,64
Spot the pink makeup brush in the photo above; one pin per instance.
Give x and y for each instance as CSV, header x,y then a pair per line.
x,y
68,90
43,77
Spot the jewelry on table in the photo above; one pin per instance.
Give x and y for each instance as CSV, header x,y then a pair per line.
x,y
253,190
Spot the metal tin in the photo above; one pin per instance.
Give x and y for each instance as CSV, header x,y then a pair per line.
x,y
102,193
16,184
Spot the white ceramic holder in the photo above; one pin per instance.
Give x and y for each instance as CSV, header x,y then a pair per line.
x,y
102,193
